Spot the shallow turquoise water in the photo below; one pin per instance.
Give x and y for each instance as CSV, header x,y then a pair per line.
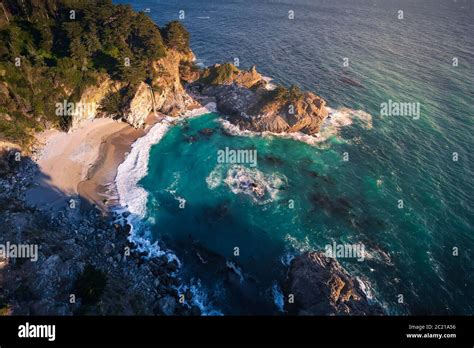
x,y
408,61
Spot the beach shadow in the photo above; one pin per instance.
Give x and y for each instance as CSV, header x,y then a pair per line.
x,y
43,245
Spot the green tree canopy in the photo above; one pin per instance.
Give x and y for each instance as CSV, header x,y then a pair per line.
x,y
176,36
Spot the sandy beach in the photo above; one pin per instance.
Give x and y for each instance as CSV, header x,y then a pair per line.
x,y
82,163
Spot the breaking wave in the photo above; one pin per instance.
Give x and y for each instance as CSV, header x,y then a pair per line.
x,y
261,187
132,197
337,119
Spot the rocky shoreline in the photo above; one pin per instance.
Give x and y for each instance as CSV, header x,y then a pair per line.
x,y
82,244
83,251
79,251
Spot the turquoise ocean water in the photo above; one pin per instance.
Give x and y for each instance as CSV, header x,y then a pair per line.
x,y
356,201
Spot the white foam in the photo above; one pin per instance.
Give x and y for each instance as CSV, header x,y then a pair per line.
x,y
214,179
270,86
134,168
133,198
301,246
172,189
208,108
336,119
261,187
199,298
278,297
181,200
343,117
236,269
370,292
365,287
286,258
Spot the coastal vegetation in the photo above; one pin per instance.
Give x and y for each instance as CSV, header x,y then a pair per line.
x,y
54,51
176,36
219,74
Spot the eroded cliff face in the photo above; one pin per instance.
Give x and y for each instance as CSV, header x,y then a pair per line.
x,y
302,114
249,102
171,97
89,103
140,106
321,286
165,93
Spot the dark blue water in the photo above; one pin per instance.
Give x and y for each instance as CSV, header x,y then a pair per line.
x,y
399,157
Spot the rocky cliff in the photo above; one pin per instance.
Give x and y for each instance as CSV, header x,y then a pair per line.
x,y
171,98
322,287
106,60
140,106
249,102
165,93
91,99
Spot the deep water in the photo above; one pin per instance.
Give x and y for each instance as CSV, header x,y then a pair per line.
x,y
355,201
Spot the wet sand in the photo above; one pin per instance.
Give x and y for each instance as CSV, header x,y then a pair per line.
x,y
99,185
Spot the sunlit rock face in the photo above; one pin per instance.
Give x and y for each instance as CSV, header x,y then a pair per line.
x,y
246,98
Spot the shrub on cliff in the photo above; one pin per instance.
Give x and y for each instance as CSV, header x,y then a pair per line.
x,y
176,36
219,74
282,94
115,103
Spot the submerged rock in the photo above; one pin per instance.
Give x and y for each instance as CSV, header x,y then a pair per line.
x,y
321,286
206,132
167,305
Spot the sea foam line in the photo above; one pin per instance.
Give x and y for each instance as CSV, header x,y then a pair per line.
x,y
132,197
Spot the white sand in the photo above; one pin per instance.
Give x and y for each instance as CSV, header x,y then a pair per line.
x,y
67,157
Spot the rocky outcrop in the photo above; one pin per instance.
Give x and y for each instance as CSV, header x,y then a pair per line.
x,y
165,93
89,104
321,286
171,98
140,106
247,100
249,78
